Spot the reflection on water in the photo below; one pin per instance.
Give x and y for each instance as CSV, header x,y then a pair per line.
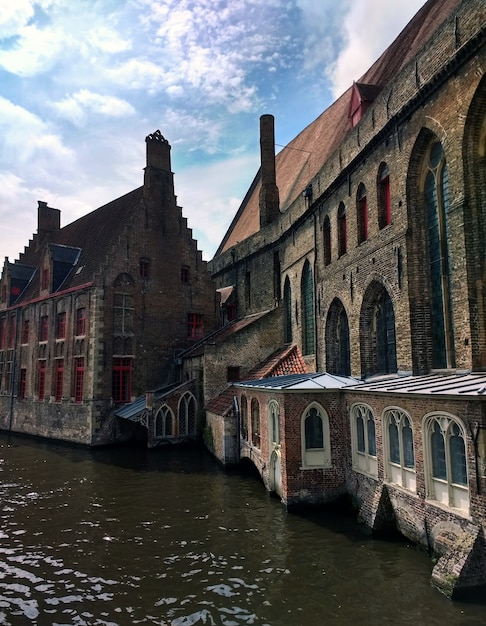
x,y
124,536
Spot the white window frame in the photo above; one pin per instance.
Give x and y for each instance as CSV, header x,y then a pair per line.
x,y
398,473
273,426
445,491
316,458
364,461
164,413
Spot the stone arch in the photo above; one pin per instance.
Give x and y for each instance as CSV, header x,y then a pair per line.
x,y
474,160
164,422
338,353
427,244
377,332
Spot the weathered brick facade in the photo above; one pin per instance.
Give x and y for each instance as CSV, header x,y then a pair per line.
x,y
132,271
377,260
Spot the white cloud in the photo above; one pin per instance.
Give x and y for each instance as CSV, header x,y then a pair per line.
x,y
78,106
14,15
370,27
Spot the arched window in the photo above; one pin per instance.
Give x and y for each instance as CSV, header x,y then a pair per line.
x,y
436,190
307,297
384,196
362,213
363,440
399,448
255,422
338,354
342,231
244,417
315,442
273,425
446,461
384,334
326,233
187,415
277,291
288,310
164,422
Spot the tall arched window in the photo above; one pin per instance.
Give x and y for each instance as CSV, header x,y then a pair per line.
x,y
326,234
164,422
187,415
273,425
436,190
446,460
307,297
399,448
244,417
384,196
255,423
338,354
315,441
342,231
362,213
288,310
363,439
384,334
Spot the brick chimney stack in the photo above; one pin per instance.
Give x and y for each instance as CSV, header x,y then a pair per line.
x,y
48,221
269,197
158,180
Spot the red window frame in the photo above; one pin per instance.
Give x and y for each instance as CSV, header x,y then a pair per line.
x,y
231,309
41,381
61,326
144,268
78,379
342,231
59,378
195,326
81,321
327,240
22,383
44,328
25,331
122,380
363,218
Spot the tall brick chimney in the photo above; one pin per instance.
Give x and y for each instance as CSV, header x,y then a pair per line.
x,y
269,198
48,221
158,178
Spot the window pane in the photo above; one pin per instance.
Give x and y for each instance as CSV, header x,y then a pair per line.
x,y
394,444
458,457
438,453
314,436
371,436
407,439
360,434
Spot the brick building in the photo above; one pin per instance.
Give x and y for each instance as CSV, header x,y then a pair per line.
x,y
93,314
367,233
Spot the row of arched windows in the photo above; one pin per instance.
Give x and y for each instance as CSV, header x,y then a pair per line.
x,y
165,424
384,215
444,445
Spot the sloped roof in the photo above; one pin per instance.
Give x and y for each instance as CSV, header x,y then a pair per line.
x,y
466,384
287,359
305,155
302,382
91,237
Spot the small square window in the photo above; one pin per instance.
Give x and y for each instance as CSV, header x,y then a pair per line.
x,y
185,275
144,268
232,373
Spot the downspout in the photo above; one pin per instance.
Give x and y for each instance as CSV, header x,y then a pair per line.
x,y
315,294
14,370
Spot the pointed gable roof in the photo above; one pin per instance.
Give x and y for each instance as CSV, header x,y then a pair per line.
x,y
305,155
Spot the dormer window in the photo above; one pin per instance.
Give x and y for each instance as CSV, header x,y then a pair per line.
x,y
362,97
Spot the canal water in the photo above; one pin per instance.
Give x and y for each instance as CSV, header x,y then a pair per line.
x,y
129,536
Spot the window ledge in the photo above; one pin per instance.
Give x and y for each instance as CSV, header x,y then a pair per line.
x,y
449,509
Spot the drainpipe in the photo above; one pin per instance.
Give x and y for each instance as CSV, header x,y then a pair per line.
x,y
236,410
14,370
315,294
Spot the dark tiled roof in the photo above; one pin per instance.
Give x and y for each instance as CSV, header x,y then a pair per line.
x,y
305,155
91,237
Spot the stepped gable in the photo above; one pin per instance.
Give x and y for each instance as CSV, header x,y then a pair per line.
x,y
305,155
94,234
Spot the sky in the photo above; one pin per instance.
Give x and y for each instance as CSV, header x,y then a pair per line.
x,y
83,82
